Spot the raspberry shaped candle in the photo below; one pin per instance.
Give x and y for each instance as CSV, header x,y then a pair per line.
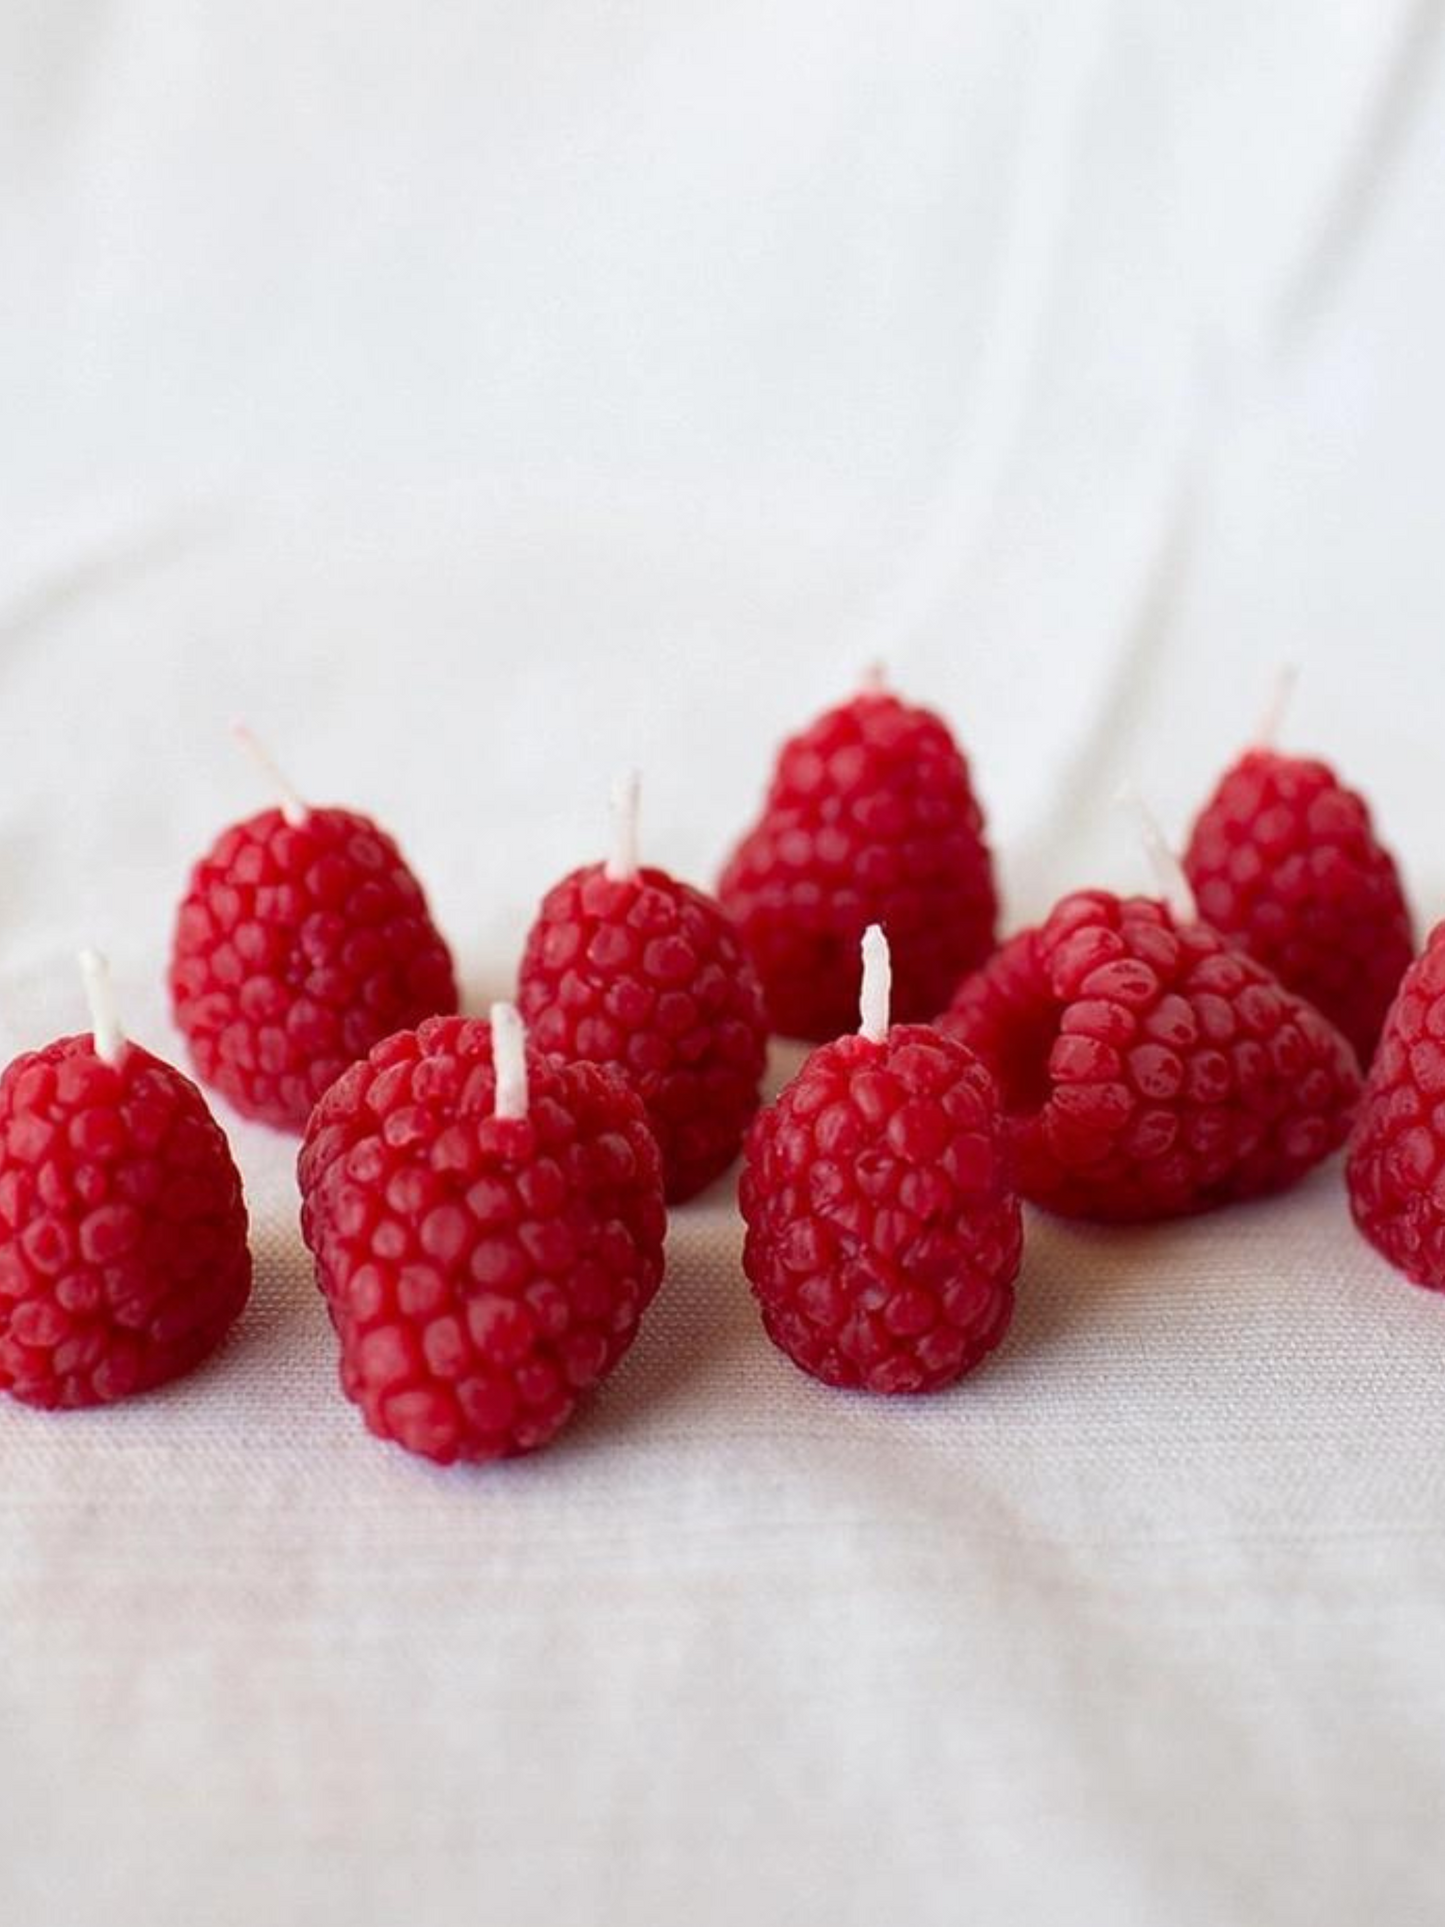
x,y
1396,1169
871,818
884,1232
628,967
1148,1068
487,1236
302,940
123,1254
1283,860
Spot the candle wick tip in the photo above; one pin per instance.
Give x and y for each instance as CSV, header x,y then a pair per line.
x,y
876,994
107,1036
509,1061
291,805
1173,885
623,863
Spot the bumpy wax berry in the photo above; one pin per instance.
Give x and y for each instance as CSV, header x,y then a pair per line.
x,y
1283,860
649,976
871,818
1396,1168
481,1272
123,1255
297,947
1149,1069
883,1228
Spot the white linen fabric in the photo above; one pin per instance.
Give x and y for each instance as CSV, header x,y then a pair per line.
x,y
483,400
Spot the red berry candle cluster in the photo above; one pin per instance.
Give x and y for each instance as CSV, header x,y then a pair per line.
x,y
485,1202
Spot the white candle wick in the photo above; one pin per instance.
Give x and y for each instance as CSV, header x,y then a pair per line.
x,y
874,679
877,991
509,1061
622,865
1275,710
1169,877
292,807
106,1033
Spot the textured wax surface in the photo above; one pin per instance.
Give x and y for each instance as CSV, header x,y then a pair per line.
x,y
123,1254
481,1272
870,818
647,974
482,400
883,1224
1397,1151
297,947
1284,859
1148,1069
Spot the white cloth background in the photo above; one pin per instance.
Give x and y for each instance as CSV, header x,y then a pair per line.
x,y
484,399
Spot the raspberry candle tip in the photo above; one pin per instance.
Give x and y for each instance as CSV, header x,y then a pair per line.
x,y
1280,697
1170,880
109,1037
626,804
509,1061
876,994
291,805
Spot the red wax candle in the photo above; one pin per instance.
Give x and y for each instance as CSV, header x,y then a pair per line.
x,y
1284,861
487,1224
884,1232
1397,1154
1146,1066
870,818
123,1254
626,966
302,940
